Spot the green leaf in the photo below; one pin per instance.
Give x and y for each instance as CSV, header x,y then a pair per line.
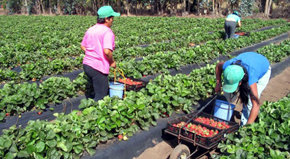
x,y
50,135
93,144
101,120
10,155
40,146
78,148
91,151
2,116
23,154
13,148
30,149
51,143
7,143
37,156
62,146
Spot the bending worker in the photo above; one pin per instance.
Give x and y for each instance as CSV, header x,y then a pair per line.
x,y
99,44
247,75
231,22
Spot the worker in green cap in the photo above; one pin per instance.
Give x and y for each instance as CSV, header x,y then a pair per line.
x,y
245,76
231,22
99,44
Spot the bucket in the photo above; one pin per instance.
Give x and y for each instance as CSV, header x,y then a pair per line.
x,y
236,36
223,110
116,89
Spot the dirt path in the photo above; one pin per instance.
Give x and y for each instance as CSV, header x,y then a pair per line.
x,y
277,88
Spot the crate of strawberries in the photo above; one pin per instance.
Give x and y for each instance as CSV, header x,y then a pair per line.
x,y
133,84
214,122
172,123
202,135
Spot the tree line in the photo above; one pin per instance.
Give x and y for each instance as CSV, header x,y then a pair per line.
x,y
137,7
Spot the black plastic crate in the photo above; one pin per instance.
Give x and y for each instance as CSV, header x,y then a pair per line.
x,y
184,118
233,126
136,87
243,33
205,142
133,87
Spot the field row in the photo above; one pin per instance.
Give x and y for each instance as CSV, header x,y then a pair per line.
x,y
70,136
34,60
18,98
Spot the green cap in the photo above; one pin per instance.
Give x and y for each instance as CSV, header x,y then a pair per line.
x,y
236,13
107,11
233,74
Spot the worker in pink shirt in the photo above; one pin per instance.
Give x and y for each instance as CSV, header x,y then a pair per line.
x,y
99,44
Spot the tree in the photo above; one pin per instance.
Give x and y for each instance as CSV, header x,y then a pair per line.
x,y
246,7
268,7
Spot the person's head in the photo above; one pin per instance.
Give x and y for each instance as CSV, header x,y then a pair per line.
x,y
236,13
236,80
106,15
233,75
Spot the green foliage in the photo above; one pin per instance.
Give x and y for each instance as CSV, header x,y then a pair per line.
x,y
56,89
160,62
275,53
69,136
267,138
246,7
18,98
56,48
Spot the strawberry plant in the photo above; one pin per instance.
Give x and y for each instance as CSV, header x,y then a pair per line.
x,y
275,53
57,89
267,138
15,98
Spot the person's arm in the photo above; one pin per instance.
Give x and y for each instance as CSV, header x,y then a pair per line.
x,y
83,48
218,73
239,23
109,55
256,106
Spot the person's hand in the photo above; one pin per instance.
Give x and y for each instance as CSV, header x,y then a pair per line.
x,y
113,64
218,87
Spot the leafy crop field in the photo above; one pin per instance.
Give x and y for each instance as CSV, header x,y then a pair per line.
x,y
33,47
38,46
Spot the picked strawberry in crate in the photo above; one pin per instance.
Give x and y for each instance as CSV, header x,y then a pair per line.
x,y
212,122
130,82
197,129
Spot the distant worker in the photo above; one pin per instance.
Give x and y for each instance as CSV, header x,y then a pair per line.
x,y
231,22
99,44
247,75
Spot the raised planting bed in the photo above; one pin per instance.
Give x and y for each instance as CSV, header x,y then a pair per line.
x,y
80,82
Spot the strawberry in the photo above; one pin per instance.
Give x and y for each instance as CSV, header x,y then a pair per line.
x,y
7,114
120,137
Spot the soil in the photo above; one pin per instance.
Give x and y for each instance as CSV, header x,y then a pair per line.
x,y
277,88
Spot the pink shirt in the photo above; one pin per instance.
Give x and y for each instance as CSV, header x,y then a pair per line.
x,y
96,39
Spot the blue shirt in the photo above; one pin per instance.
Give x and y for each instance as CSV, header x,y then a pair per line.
x,y
233,16
256,64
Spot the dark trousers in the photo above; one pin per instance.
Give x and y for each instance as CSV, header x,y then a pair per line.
x,y
98,84
230,28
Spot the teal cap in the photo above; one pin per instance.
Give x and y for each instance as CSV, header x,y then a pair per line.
x,y
107,11
236,13
233,74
